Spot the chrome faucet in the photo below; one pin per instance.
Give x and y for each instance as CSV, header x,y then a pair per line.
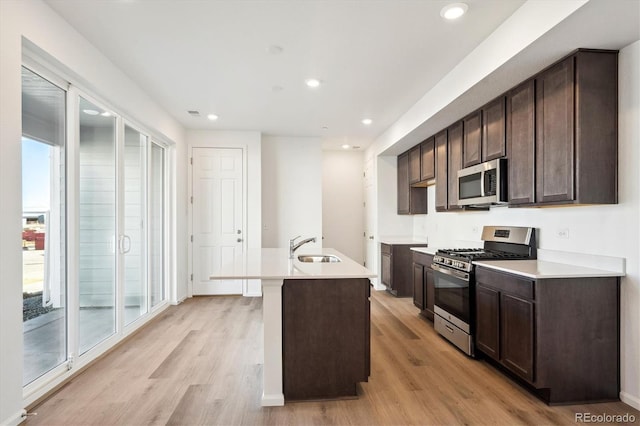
x,y
293,247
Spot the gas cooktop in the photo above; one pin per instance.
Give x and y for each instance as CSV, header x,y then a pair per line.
x,y
500,243
480,253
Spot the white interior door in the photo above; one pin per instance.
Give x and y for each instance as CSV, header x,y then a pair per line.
x,y
370,218
218,231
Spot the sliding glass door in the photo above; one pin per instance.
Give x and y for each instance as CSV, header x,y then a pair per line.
x,y
157,223
133,238
97,224
93,228
44,283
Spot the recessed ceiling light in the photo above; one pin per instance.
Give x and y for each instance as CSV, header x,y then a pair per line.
x,y
312,82
277,88
212,117
345,146
325,127
90,111
454,11
106,114
193,113
367,121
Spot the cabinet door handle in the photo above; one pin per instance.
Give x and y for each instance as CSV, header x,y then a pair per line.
x,y
239,240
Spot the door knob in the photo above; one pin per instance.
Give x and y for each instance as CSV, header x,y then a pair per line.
x,y
371,237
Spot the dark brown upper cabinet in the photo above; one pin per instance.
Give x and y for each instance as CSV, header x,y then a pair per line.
x,y
558,130
403,183
414,164
576,130
427,160
410,200
472,139
422,164
454,163
554,138
494,130
521,141
442,186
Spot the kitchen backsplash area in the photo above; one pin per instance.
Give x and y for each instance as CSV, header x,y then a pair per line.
x,y
583,229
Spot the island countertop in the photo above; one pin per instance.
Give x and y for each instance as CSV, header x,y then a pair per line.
x,y
274,264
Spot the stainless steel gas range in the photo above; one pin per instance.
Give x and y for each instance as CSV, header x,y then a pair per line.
x,y
454,276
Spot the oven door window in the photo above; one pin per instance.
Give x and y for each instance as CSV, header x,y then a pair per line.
x,y
452,295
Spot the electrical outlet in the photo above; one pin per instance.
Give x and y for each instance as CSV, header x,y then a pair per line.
x,y
563,233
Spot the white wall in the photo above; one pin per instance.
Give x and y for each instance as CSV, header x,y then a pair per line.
x,y
610,230
342,202
291,190
88,68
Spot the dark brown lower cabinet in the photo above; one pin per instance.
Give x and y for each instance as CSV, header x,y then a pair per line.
x,y
488,321
418,286
423,284
326,337
560,335
516,334
396,271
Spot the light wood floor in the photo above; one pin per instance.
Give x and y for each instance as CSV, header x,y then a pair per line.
x,y
200,363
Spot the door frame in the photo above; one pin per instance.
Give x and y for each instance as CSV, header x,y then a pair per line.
x,y
245,201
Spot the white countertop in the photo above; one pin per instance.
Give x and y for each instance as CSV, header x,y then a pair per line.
x,y
540,269
426,250
274,264
402,240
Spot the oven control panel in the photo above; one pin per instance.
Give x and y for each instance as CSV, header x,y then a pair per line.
x,y
458,264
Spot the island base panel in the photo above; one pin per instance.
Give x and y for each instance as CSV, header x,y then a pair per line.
x,y
326,331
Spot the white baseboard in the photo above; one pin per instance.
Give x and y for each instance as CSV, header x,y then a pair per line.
x,y
379,287
273,400
182,299
15,419
631,400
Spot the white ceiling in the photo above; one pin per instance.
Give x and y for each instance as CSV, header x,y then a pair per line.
x,y
375,58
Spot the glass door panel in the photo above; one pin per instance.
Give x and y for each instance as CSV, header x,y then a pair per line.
x,y
97,217
156,224
134,247
44,289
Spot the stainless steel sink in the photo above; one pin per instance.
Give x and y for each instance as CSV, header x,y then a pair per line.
x,y
319,258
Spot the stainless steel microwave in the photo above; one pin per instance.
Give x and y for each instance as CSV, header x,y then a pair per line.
x,y
483,184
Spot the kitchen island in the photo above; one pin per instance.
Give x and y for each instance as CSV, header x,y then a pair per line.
x,y
279,276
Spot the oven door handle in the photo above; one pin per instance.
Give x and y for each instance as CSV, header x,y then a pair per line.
x,y
454,273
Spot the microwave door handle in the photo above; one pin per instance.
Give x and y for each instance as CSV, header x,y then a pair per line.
x,y
482,183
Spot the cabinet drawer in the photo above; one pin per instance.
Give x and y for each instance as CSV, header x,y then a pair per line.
x,y
512,284
422,258
385,249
